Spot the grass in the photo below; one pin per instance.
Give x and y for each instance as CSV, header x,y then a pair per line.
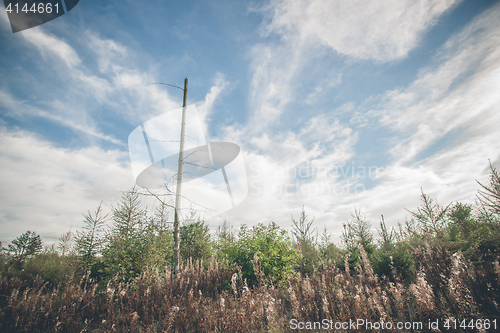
x,y
214,298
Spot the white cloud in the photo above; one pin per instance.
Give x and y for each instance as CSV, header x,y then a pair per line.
x,y
364,29
46,189
21,109
446,98
458,97
132,94
457,100
375,30
108,51
273,67
49,44
119,86
288,170
205,108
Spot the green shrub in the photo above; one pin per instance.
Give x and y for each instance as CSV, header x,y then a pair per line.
x,y
263,250
395,262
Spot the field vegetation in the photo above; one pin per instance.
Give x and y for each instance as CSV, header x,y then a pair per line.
x,y
114,274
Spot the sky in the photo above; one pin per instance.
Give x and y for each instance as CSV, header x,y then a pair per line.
x,y
336,106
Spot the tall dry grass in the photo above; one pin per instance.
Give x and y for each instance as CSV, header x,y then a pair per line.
x,y
215,299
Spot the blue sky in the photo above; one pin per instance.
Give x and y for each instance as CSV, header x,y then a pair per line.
x,y
336,105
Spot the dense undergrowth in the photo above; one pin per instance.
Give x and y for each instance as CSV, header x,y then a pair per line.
x,y
442,264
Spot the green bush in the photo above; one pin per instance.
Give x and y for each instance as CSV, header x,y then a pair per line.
x,y
50,267
263,250
395,262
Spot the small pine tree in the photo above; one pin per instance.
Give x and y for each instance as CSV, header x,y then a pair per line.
x,y
225,239
64,245
328,251
128,240
89,243
430,217
302,228
25,246
129,216
159,238
393,258
489,198
357,232
305,243
195,242
386,236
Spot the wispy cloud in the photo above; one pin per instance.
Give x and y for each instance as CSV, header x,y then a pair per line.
x,y
372,30
48,44
120,85
22,109
273,68
443,125
440,133
459,92
205,108
378,30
